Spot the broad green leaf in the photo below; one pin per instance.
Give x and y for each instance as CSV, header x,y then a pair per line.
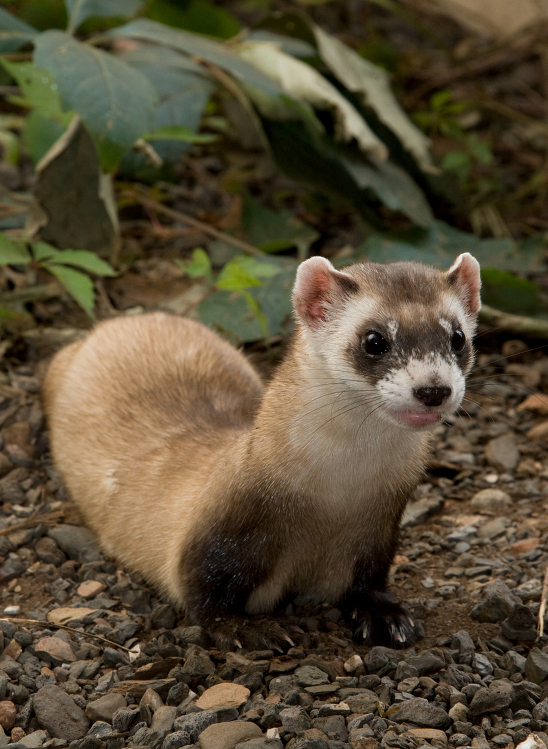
x,y
182,86
509,293
83,259
303,83
39,88
178,132
202,48
270,231
115,101
288,44
79,10
393,186
78,285
199,266
40,134
14,32
197,15
13,253
234,277
256,267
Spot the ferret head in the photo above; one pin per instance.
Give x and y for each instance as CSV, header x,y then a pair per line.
x,y
401,333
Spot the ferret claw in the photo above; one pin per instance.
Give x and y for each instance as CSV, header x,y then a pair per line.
x,y
288,639
237,643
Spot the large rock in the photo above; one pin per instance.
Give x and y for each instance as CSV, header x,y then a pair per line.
x,y
227,735
422,713
54,650
8,714
57,712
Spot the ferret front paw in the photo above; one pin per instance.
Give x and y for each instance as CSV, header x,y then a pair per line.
x,y
385,622
235,632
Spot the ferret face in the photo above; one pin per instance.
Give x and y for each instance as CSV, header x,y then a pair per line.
x,y
400,334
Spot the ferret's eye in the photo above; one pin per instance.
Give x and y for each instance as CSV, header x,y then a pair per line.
x,y
458,340
374,343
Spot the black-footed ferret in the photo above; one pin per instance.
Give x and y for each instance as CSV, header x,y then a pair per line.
x,y
228,497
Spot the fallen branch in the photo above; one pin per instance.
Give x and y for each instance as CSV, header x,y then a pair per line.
x,y
527,326
48,518
191,221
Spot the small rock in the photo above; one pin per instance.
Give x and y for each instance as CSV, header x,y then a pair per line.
x,y
459,712
164,616
34,740
90,588
176,740
54,650
105,707
163,719
494,527
198,663
428,733
353,663
502,453
262,742
420,711
491,500
310,676
59,714
417,512
536,666
195,723
74,540
525,545
64,615
8,714
227,694
227,735
48,552
520,624
488,701
496,604
295,719
539,433
540,711
426,663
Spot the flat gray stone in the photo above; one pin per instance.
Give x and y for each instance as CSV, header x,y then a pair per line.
x,y
163,719
417,512
491,500
74,540
54,650
310,676
494,528
496,604
536,666
489,701
34,740
57,712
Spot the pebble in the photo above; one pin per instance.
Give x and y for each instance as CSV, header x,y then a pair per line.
x,y
502,453
488,701
496,604
227,694
76,541
54,650
105,707
8,714
90,588
490,500
420,711
417,512
494,527
227,735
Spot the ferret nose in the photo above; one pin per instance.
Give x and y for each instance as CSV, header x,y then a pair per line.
x,y
433,396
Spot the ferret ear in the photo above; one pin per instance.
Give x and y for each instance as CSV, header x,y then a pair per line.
x,y
318,289
464,275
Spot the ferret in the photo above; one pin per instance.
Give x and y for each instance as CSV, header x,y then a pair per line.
x,y
228,496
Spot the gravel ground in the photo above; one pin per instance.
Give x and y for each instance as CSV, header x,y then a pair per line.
x,y
90,658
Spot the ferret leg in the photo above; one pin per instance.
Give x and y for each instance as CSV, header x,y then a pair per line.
x,y
223,567
379,616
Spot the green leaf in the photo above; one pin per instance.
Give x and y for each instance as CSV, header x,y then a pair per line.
x,y
39,88
199,266
255,308
40,133
507,292
78,285
83,259
234,277
79,10
256,267
177,132
231,314
206,49
270,231
115,101
10,146
14,32
13,253
197,15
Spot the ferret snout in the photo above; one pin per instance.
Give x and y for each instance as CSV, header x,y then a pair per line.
x,y
432,396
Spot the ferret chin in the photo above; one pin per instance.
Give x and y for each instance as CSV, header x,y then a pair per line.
x,y
229,497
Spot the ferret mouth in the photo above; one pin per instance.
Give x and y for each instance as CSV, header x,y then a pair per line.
x,y
416,419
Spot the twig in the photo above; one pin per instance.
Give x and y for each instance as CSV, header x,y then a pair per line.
x,y
47,625
206,228
32,294
529,326
47,518
542,609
